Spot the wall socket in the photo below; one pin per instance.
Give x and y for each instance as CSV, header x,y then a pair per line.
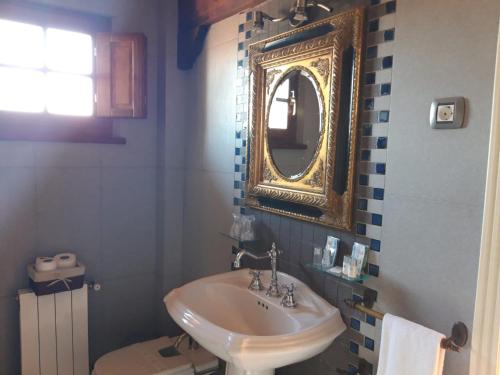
x,y
447,113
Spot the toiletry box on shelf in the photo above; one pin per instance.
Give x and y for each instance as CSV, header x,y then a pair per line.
x,y
59,280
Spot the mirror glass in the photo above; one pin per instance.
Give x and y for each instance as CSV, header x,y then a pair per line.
x,y
294,123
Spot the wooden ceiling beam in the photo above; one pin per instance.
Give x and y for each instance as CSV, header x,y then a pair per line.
x,y
195,18
207,12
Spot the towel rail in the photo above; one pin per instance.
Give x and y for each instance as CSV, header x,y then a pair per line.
x,y
459,333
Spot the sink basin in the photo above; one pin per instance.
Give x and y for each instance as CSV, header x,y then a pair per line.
x,y
252,332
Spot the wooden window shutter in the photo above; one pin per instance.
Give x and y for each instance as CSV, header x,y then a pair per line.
x,y
121,75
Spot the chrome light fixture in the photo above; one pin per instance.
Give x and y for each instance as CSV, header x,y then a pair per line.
x,y
297,16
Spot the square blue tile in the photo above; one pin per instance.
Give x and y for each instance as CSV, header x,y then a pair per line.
x,y
362,204
361,229
355,324
369,104
369,344
371,320
367,130
378,194
377,219
352,370
363,179
365,155
380,168
375,245
385,89
383,116
353,347
373,25
370,78
357,298
389,35
382,142
387,62
371,52
373,270
390,7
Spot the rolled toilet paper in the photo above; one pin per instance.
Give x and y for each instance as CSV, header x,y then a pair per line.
x,y
66,260
44,264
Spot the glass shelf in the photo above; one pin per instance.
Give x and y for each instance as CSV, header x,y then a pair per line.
x,y
359,280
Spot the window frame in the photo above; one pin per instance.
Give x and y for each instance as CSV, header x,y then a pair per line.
x,y
19,126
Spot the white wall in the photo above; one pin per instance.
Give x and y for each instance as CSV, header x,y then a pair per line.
x,y
209,153
435,178
97,200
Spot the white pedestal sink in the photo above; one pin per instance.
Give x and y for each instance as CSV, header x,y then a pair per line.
x,y
252,332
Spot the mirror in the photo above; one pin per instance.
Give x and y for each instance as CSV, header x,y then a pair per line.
x,y
294,123
303,125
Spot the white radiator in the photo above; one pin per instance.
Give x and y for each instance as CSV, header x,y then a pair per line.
x,y
54,333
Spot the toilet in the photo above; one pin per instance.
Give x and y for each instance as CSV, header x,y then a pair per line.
x,y
145,359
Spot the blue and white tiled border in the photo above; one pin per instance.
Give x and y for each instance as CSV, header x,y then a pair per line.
x,y
373,143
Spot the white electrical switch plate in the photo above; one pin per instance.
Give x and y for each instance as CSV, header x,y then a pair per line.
x,y
447,113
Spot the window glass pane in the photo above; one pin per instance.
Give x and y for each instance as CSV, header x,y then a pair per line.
x,y
283,90
69,52
21,90
21,44
70,95
278,116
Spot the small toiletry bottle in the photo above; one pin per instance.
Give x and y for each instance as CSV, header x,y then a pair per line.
x,y
327,259
360,254
317,256
350,268
330,252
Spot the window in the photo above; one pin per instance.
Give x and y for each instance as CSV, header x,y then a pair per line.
x,y
279,117
283,121
45,70
64,76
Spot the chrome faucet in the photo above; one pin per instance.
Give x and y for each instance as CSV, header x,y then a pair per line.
x,y
273,290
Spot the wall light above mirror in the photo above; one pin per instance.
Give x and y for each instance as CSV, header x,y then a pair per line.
x,y
304,120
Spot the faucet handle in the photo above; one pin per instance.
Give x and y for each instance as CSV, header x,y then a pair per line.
x,y
289,299
256,283
289,288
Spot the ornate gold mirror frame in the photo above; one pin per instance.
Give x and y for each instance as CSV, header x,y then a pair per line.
x,y
312,195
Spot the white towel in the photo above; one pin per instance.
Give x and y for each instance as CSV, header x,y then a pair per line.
x,y
409,348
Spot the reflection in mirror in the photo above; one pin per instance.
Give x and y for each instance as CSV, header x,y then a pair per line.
x,y
294,123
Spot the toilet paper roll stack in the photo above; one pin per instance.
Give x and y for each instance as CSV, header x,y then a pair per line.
x,y
60,261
